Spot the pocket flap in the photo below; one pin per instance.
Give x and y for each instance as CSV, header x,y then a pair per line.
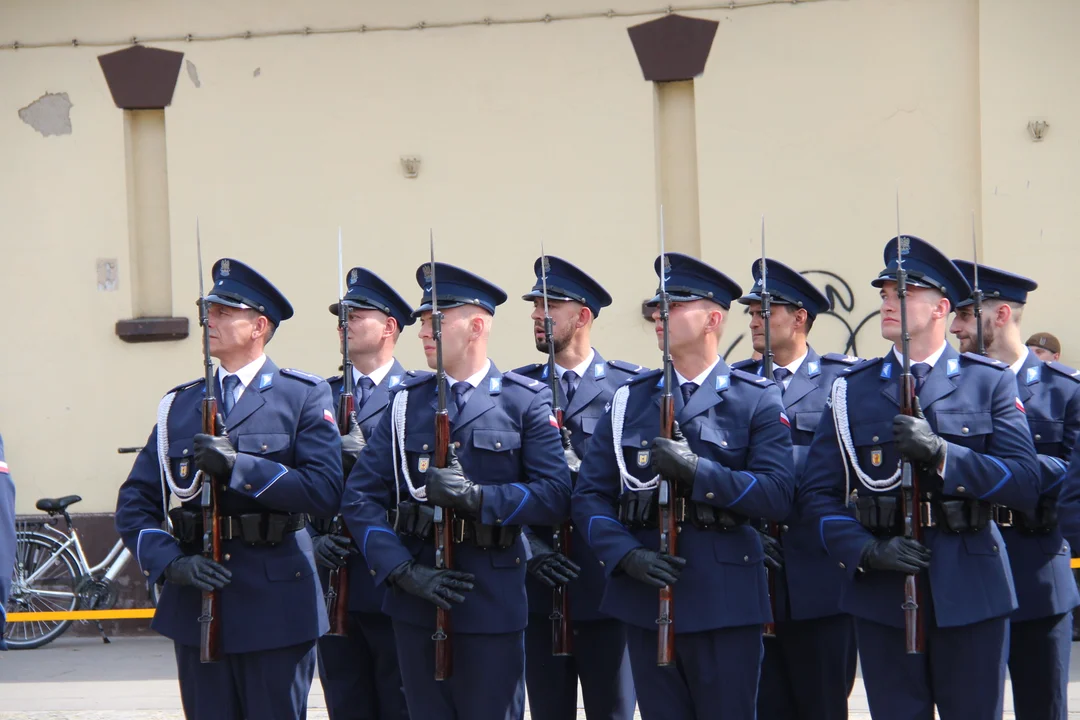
x,y
725,437
181,447
588,425
877,433
496,440
964,424
419,442
290,567
262,443
1047,431
807,421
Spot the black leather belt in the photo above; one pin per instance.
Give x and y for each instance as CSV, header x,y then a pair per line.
x,y
252,528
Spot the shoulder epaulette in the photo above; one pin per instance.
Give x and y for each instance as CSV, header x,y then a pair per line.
x,y
743,364
1065,370
335,379
524,381
840,358
412,379
985,360
626,366
187,385
301,375
645,376
751,378
861,365
525,369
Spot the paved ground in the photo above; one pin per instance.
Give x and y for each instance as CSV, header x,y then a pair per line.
x,y
134,678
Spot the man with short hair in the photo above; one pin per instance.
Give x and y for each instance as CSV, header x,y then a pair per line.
x,y
729,459
586,383
505,469
277,459
970,446
1040,631
359,672
808,622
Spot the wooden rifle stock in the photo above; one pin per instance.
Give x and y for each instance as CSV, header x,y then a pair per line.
x,y
210,618
337,599
669,534
444,554
914,627
562,637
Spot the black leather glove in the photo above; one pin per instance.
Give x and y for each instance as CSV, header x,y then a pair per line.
x,y
572,459
550,567
436,586
898,553
351,444
651,567
450,488
331,551
774,551
198,571
674,460
915,440
214,454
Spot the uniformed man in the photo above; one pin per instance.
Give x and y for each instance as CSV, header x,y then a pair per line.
x,y
731,460
1040,631
7,539
809,622
971,449
1045,346
359,672
506,469
586,383
279,459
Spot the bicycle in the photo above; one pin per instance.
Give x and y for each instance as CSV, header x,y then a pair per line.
x,y
52,573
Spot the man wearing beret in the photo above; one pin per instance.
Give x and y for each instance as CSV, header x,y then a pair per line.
x,y
969,443
730,459
1040,631
359,672
586,383
1045,346
278,459
808,618
505,469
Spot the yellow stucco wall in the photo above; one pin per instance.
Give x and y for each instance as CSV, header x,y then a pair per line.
x,y
808,113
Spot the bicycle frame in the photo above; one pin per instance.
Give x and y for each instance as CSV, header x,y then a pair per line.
x,y
116,559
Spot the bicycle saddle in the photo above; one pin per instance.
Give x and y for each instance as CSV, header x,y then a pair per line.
x,y
55,505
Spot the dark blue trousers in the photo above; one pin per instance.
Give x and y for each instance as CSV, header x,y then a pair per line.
x,y
601,661
1039,667
488,682
808,670
962,671
264,685
715,676
359,672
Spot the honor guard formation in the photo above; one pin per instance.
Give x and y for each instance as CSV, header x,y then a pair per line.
x,y
693,540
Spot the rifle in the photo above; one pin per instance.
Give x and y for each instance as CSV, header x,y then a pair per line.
x,y
443,517
666,498
209,618
561,635
767,369
976,293
337,596
914,632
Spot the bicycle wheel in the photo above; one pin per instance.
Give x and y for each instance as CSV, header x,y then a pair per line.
x,y
43,581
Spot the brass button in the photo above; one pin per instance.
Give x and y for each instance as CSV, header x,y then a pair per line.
x,y
843,566
723,443
146,573
1038,436
745,558
372,571
964,430
425,446
874,439
248,486
995,548
185,451
961,488
644,443
709,496
264,448
228,557
498,445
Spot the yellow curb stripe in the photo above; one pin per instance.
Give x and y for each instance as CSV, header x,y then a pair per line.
x,y
130,614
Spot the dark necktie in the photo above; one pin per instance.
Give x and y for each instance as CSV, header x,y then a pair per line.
x,y
919,371
688,389
228,393
366,386
461,394
779,375
569,379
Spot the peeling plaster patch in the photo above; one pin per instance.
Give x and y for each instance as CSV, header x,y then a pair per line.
x,y
257,73
193,73
50,114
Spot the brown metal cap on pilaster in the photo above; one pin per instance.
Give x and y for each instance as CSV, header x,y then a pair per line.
x,y
141,78
674,47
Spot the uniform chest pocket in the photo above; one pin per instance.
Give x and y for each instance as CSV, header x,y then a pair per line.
x,y
497,441
420,449
725,444
1047,434
181,459
637,453
874,448
969,429
263,443
807,421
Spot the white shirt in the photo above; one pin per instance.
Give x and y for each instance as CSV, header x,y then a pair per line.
x,y
1015,367
580,369
931,361
376,375
793,367
246,375
473,380
700,379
